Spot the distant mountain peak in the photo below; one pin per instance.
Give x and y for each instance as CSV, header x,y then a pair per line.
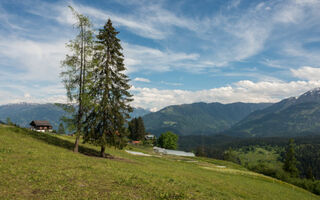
x,y
310,96
315,91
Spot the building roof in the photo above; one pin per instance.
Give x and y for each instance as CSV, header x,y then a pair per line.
x,y
149,136
173,152
40,123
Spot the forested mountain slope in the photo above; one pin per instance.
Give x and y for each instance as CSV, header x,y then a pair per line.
x,y
290,117
199,118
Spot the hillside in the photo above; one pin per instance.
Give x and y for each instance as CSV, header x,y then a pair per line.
x,y
290,117
41,166
199,118
23,113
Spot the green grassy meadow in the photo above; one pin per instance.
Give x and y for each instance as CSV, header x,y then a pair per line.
x,y
258,155
43,166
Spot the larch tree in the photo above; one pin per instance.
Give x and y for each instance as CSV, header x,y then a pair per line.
x,y
109,90
76,70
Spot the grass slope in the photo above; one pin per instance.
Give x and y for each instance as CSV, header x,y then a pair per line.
x,y
40,166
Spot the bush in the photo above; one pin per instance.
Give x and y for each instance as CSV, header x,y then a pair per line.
x,y
168,140
264,169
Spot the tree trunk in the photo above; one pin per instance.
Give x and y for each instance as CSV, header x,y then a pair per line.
x,y
76,144
102,152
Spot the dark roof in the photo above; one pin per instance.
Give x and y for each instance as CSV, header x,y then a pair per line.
x,y
1,122
40,123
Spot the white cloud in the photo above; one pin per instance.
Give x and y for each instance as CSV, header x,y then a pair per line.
x,y
37,60
145,80
228,36
171,83
139,58
234,4
300,54
32,96
146,20
291,14
242,91
310,2
27,96
273,63
307,73
36,93
237,36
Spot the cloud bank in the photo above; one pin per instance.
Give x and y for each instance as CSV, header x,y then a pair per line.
x,y
242,91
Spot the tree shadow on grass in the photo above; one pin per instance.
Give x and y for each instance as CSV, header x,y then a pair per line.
x,y
53,140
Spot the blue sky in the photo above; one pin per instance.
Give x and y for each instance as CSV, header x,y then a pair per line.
x,y
176,51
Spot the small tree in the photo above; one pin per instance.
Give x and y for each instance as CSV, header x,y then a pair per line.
x,y
136,129
9,122
290,162
61,129
168,140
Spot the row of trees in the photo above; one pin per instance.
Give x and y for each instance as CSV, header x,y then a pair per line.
x,y
94,78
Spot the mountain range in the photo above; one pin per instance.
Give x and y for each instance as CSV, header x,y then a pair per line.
x,y
295,116
199,118
23,113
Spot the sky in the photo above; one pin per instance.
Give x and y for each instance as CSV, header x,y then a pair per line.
x,y
176,52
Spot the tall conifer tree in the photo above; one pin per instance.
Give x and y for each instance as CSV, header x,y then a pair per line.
x,y
109,91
